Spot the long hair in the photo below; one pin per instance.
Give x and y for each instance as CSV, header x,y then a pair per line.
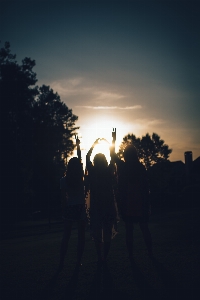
x,y
101,179
130,154
100,161
100,170
131,162
74,174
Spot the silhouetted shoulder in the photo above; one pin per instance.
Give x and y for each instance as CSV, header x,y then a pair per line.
x,y
120,163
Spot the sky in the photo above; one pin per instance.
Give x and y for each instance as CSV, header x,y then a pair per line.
x,y
129,65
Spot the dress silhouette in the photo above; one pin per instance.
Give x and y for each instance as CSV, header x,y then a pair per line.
x,y
73,207
133,196
102,203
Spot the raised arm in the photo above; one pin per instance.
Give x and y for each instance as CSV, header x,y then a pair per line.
x,y
78,147
114,157
88,162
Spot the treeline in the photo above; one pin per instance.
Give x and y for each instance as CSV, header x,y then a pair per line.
x,y
36,139
150,149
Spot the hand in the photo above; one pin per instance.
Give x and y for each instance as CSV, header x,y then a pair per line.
x,y
77,142
104,140
96,142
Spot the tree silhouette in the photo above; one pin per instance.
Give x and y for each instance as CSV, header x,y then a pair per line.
x,y
17,92
52,143
151,149
53,125
36,136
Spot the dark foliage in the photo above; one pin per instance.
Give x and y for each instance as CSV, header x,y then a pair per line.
x,y
36,138
150,149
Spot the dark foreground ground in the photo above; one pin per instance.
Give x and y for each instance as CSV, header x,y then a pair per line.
x,y
29,262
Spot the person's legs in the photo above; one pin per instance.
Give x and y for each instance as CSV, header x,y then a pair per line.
x,y
96,227
98,242
81,240
65,240
129,238
147,236
107,234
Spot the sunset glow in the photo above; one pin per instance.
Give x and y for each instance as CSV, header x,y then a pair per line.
x,y
100,127
102,147
118,65
80,79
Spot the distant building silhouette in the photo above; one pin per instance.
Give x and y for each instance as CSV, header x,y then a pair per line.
x,y
171,179
196,171
188,166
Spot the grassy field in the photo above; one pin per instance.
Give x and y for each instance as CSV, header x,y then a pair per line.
x,y
29,262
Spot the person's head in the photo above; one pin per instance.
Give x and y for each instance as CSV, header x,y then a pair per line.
x,y
74,169
130,154
100,161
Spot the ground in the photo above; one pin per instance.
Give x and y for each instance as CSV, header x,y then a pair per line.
x,y
30,256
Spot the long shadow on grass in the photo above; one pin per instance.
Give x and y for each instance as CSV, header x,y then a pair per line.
x,y
72,284
102,286
173,290
146,291
49,290
95,289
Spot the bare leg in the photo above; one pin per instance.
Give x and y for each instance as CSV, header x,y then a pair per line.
x,y
81,240
98,246
97,236
65,240
107,233
106,250
129,238
147,236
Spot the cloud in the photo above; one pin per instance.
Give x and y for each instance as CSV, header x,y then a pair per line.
x,y
87,89
68,87
110,107
155,122
102,95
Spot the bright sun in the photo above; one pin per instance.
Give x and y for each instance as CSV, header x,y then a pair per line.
x,y
102,147
100,127
97,128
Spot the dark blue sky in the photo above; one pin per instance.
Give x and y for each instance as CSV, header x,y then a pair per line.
x,y
133,65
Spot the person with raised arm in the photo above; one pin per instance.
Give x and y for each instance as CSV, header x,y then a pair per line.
x,y
102,203
133,198
73,206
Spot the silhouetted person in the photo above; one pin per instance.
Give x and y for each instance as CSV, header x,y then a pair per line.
x,y
73,207
102,205
133,201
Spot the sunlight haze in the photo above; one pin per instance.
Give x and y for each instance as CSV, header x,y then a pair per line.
x,y
130,65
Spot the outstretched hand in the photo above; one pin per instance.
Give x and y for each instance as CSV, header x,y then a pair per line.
x,y
96,142
77,141
104,140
